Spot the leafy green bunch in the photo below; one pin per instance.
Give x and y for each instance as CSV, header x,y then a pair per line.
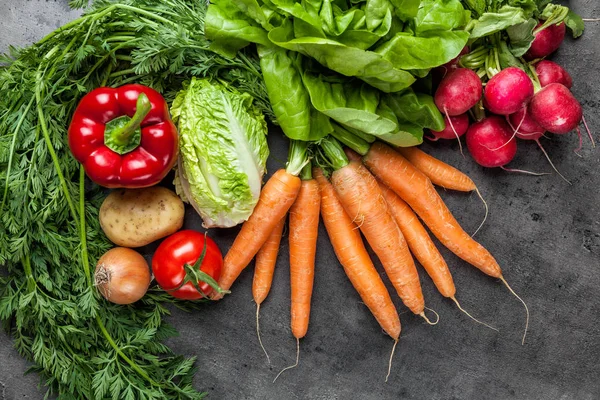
x,y
344,62
502,31
83,346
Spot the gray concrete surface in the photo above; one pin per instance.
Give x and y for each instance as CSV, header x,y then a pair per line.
x,y
545,234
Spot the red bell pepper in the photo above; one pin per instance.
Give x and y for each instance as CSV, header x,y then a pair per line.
x,y
124,137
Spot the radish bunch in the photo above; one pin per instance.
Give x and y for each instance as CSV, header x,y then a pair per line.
x,y
494,98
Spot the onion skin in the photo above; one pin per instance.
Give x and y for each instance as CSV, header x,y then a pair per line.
x,y
122,276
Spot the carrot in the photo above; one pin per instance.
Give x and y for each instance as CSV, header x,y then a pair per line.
x,y
437,171
417,190
442,174
363,201
276,198
352,255
304,227
423,248
419,242
264,267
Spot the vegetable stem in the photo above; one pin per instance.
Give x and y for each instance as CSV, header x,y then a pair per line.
x,y
351,140
306,173
333,152
297,157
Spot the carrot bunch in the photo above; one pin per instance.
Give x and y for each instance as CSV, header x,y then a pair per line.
x,y
369,188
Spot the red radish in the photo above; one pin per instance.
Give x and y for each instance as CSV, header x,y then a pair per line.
x,y
440,72
458,92
546,41
508,91
455,127
550,72
556,109
525,126
530,130
490,142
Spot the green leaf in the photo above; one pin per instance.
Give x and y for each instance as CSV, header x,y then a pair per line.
x,y
289,98
353,104
230,29
521,36
436,15
416,108
492,22
369,66
406,10
575,23
432,49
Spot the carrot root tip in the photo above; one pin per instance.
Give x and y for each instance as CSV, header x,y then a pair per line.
x,y
258,334
487,210
525,305
390,362
293,365
422,314
472,317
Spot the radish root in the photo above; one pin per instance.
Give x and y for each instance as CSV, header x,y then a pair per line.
x,y
578,149
522,171
487,210
526,309
550,161
390,362
258,334
455,133
588,131
591,19
427,319
472,317
515,131
293,365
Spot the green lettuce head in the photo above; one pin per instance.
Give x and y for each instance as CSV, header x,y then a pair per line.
x,y
222,152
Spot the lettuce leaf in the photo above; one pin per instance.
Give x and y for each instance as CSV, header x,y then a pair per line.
x,y
223,151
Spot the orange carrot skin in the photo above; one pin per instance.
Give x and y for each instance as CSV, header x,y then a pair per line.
x,y
304,226
264,264
351,253
420,243
417,190
363,201
437,171
276,198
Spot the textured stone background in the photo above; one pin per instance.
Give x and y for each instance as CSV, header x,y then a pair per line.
x,y
545,234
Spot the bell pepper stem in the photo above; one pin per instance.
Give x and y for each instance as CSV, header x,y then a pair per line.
x,y
122,134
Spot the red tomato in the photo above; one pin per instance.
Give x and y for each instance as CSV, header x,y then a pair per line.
x,y
185,247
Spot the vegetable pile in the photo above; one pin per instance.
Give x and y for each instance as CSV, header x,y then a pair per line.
x,y
86,136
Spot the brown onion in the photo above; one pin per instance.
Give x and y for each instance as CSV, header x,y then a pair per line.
x,y
122,275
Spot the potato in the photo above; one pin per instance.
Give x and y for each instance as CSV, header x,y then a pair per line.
x,y
137,217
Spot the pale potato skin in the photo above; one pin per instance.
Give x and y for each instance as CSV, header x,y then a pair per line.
x,y
137,217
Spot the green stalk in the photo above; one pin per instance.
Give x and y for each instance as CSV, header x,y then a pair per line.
x,y
61,178
350,140
297,157
334,153
306,174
